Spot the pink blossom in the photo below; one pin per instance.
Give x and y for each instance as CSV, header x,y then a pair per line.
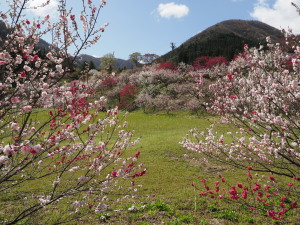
x,y
15,100
27,108
14,126
294,205
272,178
114,174
23,74
8,150
229,77
3,159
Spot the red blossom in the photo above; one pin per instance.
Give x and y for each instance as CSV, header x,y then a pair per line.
x,y
23,74
114,173
229,77
272,178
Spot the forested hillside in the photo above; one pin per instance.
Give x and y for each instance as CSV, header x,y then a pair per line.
x,y
223,39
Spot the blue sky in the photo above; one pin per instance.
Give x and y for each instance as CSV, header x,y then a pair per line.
x,y
149,26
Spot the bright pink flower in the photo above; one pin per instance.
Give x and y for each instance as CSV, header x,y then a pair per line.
x,y
35,58
23,74
137,154
245,194
272,178
229,77
294,205
249,175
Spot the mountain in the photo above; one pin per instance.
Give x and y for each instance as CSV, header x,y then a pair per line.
x,y
226,39
119,63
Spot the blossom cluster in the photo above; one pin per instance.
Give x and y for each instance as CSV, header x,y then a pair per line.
x,y
261,194
260,96
55,132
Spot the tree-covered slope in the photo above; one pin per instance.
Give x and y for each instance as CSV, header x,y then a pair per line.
x,y
223,39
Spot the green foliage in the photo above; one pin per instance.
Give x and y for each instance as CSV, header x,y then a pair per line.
x,y
174,222
108,62
212,208
187,218
203,222
135,58
159,205
228,215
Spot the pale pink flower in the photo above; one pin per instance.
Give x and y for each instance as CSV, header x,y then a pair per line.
x,y
8,150
15,100
14,126
27,108
3,159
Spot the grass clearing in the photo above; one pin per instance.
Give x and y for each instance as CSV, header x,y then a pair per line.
x,y
170,172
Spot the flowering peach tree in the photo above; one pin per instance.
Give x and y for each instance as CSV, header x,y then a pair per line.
x,y
260,96
60,157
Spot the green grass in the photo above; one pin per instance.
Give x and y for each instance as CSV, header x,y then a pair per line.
x,y
169,174
169,177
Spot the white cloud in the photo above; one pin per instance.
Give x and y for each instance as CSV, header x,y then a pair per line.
x,y
50,9
281,14
171,9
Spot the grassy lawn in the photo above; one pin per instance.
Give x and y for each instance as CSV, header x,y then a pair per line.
x,y
170,172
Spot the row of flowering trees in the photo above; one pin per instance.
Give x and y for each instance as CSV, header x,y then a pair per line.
x,y
260,96
161,87
59,155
